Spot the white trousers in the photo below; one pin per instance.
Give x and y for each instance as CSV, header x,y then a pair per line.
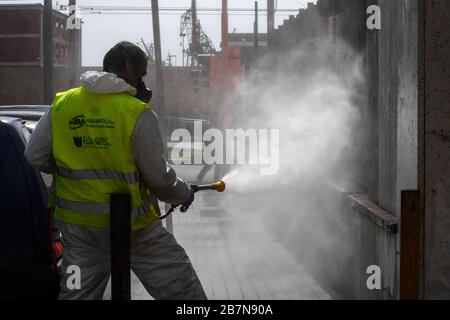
x,y
159,262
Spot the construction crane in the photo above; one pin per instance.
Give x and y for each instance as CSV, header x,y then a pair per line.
x,y
198,41
150,51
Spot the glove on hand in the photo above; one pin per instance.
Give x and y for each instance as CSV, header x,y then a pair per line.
x,y
185,205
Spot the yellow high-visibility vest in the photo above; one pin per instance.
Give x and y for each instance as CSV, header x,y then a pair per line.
x,y
94,158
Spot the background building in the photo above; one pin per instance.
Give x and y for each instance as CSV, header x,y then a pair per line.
x,y
21,51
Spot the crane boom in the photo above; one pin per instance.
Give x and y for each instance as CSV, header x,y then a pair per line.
x,y
204,45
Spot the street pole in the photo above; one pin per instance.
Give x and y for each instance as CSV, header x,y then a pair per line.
x,y
224,45
74,49
270,21
224,25
195,35
255,30
48,52
225,86
182,58
158,61
160,103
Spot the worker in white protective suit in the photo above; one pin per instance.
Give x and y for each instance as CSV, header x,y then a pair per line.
x,y
103,138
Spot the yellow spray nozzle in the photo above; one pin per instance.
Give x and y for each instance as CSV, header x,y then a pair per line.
x,y
219,186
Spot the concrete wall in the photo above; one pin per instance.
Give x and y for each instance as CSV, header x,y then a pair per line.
x,y
367,232
24,84
180,97
183,96
413,94
397,101
407,122
435,145
397,104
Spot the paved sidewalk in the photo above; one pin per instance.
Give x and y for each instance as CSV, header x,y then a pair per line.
x,y
234,257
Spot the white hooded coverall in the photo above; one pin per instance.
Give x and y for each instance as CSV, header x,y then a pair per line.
x,y
159,262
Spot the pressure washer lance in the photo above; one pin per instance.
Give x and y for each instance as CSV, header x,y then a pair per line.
x,y
219,186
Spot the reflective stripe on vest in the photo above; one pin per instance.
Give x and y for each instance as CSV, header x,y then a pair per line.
x,y
98,174
89,207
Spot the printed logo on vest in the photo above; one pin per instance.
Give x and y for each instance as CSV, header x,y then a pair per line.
x,y
77,122
92,142
78,141
98,123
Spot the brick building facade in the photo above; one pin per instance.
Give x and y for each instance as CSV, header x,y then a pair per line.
x,y
21,48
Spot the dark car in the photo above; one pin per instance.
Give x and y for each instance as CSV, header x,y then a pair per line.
x,y
30,113
29,244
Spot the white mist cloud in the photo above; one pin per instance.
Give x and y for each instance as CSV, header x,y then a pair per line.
x,y
312,107
312,103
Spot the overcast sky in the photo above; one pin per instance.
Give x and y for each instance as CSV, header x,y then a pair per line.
x,y
102,31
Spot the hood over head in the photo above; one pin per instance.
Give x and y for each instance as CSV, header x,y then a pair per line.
x,y
104,83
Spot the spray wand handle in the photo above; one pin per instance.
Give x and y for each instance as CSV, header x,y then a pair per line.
x,y
217,186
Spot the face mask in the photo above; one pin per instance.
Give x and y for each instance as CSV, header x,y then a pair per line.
x,y
143,93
